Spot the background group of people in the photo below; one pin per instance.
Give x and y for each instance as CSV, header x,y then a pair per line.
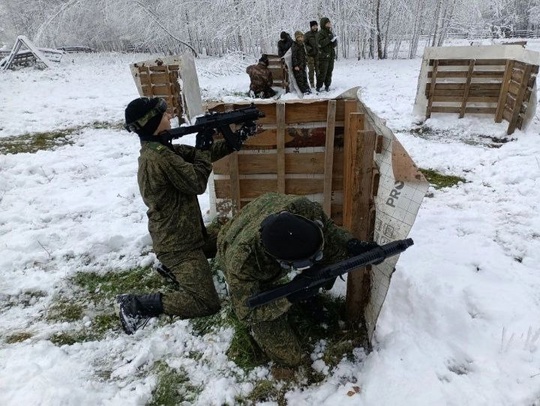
x,y
312,60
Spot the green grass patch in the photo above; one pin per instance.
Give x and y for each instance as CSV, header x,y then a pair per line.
x,y
93,295
173,387
266,391
48,140
18,337
103,286
439,181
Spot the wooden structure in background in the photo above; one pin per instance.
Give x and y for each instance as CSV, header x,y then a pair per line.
x,y
18,56
175,80
279,71
499,81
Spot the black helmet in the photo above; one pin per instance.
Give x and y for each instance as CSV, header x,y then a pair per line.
x,y
293,240
144,114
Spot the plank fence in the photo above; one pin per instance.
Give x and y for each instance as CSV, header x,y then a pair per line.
x,y
476,80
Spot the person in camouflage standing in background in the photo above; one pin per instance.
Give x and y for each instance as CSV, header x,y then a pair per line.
x,y
298,62
327,43
270,239
170,177
312,52
261,79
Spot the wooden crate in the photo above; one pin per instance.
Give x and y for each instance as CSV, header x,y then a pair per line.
x,y
338,153
279,71
496,81
174,79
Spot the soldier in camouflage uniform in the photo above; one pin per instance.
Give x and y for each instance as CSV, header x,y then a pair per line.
x,y
261,79
298,62
327,42
312,52
264,245
170,177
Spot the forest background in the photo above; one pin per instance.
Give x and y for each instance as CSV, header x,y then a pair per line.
x,y
377,29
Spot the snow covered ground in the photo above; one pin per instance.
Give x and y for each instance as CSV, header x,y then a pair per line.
x,y
460,325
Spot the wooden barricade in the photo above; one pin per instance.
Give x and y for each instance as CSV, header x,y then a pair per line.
x,y
481,83
279,71
338,153
173,78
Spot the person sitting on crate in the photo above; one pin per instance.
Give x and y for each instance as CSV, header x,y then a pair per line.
x,y
261,79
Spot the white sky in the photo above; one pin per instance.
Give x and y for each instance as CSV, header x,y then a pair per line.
x,y
460,325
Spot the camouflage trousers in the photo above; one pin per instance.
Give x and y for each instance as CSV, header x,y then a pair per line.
x,y
313,69
301,80
196,295
278,341
324,76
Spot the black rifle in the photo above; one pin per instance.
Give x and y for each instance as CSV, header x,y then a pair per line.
x,y
206,126
314,278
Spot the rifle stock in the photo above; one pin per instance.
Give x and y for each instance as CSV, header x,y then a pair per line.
x,y
317,277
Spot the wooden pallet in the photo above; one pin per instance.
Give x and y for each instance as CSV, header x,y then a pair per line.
x,y
500,87
279,71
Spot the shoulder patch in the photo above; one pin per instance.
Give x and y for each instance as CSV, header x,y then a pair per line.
x,y
156,146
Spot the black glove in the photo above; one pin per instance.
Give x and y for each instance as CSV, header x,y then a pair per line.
x,y
205,139
247,130
357,247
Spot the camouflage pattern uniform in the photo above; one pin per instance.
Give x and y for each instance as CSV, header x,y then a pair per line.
x,y
249,270
169,182
298,59
312,52
327,54
261,80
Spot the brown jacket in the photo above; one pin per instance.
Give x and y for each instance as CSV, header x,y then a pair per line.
x,y
260,76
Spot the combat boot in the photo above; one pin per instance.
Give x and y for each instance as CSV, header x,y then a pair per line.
x,y
135,311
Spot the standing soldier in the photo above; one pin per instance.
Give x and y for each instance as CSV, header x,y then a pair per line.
x,y
284,43
327,42
298,62
312,52
261,79
264,245
170,177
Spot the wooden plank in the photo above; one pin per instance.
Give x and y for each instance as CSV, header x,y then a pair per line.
x,y
311,163
519,100
461,62
234,174
329,157
463,74
160,78
467,88
470,110
432,86
350,108
472,99
280,115
514,87
301,113
357,211
252,188
504,91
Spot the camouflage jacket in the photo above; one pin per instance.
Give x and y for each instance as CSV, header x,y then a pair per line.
x,y
169,183
310,42
260,76
298,55
247,267
324,41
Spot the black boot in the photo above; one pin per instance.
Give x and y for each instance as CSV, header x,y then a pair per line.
x,y
135,311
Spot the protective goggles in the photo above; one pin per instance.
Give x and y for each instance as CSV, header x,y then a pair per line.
x,y
159,109
301,263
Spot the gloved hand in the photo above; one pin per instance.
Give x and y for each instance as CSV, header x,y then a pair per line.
x,y
357,247
334,38
247,130
205,139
